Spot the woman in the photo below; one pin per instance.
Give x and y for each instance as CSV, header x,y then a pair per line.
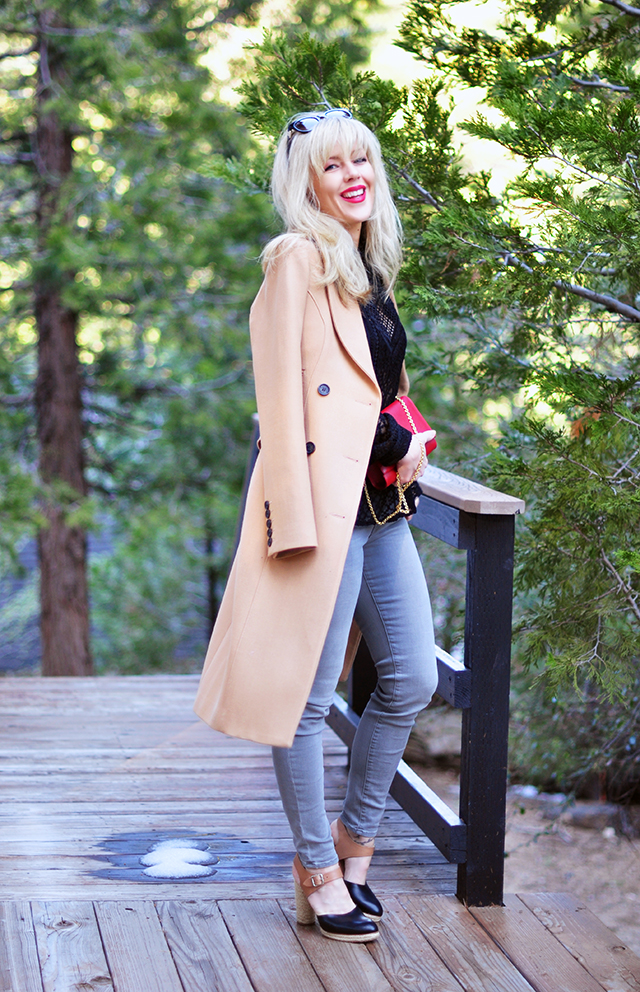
x,y
323,556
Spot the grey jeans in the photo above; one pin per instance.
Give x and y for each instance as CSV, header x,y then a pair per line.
x,y
383,584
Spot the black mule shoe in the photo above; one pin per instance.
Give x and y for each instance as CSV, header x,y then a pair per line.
x,y
353,927
366,901
361,894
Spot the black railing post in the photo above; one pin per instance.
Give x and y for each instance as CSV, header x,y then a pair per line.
x,y
485,724
363,679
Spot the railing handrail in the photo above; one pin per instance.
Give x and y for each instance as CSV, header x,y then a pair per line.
x,y
465,494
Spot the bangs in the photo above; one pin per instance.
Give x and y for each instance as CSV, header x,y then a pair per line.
x,y
348,133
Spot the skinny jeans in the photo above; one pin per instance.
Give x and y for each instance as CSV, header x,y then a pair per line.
x,y
384,587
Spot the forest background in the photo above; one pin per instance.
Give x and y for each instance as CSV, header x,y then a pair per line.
x,y
134,207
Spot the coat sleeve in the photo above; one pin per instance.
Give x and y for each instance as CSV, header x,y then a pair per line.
x,y
277,320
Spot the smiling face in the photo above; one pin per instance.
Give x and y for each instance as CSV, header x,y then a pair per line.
x,y
346,188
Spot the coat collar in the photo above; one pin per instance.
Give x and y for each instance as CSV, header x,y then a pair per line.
x,y
349,327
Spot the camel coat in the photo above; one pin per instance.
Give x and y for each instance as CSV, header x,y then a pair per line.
x,y
318,404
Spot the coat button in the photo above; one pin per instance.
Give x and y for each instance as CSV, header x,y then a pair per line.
x,y
323,389
269,542
310,447
266,504
267,513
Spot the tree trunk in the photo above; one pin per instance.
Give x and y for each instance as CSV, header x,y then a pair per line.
x,y
62,548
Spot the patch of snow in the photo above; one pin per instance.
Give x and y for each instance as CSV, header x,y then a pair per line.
x,y
178,859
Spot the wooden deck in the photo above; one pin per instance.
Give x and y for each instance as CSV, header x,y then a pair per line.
x,y
95,772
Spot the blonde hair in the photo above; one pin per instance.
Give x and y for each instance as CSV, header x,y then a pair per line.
x,y
300,156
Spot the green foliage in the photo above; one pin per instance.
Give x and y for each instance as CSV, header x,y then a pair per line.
x,y
158,258
149,593
580,744
341,21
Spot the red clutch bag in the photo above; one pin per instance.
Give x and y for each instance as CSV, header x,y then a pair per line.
x,y
407,415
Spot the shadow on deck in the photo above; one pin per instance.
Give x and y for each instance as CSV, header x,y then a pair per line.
x,y
98,771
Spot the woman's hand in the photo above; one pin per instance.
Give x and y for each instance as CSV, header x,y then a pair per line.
x,y
407,466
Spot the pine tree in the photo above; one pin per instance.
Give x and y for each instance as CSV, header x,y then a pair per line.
x,y
106,120
551,271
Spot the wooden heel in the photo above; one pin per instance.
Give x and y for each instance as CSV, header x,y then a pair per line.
x,y
304,912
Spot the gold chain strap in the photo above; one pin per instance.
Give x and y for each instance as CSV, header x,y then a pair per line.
x,y
404,406
403,506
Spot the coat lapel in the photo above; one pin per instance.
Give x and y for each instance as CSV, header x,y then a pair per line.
x,y
348,325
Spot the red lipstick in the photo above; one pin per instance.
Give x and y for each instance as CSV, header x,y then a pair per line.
x,y
359,198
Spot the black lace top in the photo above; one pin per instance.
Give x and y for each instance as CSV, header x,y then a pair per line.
x,y
387,343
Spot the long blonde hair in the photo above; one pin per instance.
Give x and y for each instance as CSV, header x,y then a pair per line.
x,y
297,159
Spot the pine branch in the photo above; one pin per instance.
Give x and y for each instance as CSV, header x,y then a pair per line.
x,y
626,464
12,29
623,586
599,84
20,399
16,159
608,302
425,194
624,7
567,161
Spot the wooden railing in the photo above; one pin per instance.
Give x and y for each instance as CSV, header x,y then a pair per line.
x,y
480,521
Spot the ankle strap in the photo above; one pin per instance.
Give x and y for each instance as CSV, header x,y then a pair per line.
x,y
310,880
349,848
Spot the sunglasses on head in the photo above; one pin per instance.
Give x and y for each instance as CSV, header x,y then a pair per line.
x,y
307,123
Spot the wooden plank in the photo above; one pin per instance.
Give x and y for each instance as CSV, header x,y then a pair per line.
x,y
454,680
149,808
465,494
79,887
430,813
137,954
260,866
544,962
149,768
261,861
269,950
406,958
202,949
19,965
446,523
464,946
603,954
69,947
91,843
339,966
